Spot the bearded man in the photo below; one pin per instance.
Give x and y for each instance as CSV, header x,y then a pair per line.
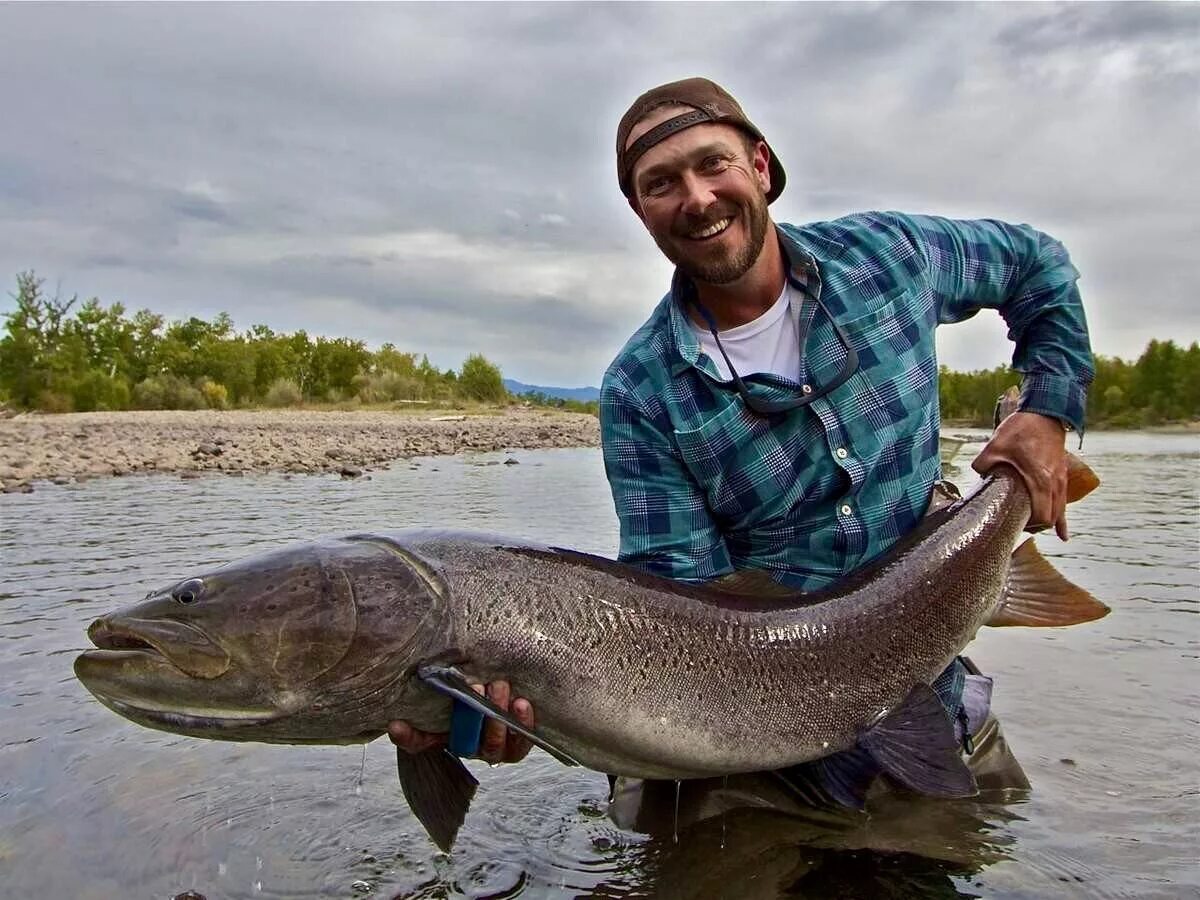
x,y
778,411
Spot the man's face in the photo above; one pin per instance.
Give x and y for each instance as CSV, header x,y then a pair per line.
x,y
702,196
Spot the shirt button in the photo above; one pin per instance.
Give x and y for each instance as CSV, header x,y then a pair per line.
x,y
841,453
806,388
846,509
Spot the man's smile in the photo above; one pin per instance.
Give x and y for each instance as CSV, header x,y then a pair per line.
x,y
709,231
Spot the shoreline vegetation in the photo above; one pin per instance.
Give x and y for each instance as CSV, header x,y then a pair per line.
x,y
87,390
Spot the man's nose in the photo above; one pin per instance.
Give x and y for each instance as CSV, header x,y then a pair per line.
x,y
697,194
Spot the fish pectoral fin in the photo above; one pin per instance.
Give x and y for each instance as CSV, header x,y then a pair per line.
x,y
1037,595
451,681
916,745
439,790
841,779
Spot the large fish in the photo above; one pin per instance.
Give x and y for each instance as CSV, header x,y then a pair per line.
x,y
629,674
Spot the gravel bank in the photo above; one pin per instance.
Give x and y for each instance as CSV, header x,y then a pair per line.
x,y
62,448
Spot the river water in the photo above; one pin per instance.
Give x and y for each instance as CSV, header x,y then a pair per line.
x,y
1104,717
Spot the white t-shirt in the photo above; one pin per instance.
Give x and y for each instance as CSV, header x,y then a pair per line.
x,y
768,344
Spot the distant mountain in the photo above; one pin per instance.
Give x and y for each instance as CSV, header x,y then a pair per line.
x,y
582,394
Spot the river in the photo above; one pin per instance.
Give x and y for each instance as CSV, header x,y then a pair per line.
x,y
1104,717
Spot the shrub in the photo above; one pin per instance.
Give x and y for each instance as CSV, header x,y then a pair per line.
x,y
283,392
166,392
214,393
387,385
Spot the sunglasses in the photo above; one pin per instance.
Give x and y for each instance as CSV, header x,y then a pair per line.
x,y
808,395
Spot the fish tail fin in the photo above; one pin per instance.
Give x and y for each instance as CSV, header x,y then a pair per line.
x,y
1037,595
1081,480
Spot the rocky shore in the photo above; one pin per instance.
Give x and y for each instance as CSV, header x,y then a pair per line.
x,y
78,446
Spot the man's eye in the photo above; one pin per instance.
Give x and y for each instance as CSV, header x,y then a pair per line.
x,y
657,186
713,164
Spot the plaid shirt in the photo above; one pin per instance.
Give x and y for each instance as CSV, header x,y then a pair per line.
x,y
702,485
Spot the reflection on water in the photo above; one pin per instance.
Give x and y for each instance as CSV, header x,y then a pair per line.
x,y
1103,717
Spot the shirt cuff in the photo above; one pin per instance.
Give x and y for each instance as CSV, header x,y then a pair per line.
x,y
1057,396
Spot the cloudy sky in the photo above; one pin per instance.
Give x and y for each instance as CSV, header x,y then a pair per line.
x,y
442,176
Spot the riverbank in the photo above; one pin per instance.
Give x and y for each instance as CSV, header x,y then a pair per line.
x,y
79,446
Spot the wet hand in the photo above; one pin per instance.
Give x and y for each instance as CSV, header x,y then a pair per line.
x,y
1034,445
496,744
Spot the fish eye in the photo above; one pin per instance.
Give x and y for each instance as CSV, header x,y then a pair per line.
x,y
189,591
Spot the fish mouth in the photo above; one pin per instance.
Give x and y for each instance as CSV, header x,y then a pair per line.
x,y
179,644
167,675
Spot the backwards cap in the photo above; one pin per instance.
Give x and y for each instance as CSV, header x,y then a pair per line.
x,y
710,103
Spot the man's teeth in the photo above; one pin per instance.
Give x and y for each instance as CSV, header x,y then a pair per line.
x,y
714,228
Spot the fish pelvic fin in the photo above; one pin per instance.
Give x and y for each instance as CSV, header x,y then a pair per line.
x,y
1038,596
454,683
439,790
915,744
1081,480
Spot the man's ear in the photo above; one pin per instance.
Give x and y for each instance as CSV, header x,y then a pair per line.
x,y
762,165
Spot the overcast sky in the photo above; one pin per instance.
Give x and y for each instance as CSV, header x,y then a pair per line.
x,y
442,176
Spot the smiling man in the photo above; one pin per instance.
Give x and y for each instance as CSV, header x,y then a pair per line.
x,y
778,411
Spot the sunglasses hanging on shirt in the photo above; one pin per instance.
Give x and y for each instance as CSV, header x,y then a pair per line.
x,y
767,407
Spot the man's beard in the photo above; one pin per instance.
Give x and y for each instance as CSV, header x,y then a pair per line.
x,y
732,266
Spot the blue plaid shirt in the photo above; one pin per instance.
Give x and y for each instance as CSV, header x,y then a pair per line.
x,y
703,485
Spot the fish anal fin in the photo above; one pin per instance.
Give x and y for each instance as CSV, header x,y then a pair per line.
x,y
1037,595
915,744
841,779
452,682
439,790
1081,480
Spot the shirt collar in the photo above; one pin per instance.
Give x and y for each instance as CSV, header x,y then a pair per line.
x,y
803,254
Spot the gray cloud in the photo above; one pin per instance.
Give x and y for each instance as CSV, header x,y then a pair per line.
x,y
441,176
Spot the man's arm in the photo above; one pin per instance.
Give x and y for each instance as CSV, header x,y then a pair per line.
x,y
1029,278
666,526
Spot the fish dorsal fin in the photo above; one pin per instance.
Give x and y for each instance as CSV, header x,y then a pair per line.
x,y
439,790
454,683
752,583
915,744
1037,595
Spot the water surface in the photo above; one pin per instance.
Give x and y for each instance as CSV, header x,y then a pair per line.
x,y
1104,717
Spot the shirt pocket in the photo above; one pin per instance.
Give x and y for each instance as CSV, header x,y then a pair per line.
x,y
736,458
876,313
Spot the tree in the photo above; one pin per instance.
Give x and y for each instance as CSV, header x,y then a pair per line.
x,y
481,380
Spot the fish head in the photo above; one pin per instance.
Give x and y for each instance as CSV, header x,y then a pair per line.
x,y
281,646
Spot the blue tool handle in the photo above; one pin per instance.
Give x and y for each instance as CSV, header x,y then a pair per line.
x,y
466,726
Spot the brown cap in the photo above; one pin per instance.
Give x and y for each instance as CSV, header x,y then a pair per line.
x,y
710,103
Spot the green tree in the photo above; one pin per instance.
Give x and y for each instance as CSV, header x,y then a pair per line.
x,y
481,380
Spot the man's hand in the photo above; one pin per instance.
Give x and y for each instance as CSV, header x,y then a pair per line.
x,y
1034,445
496,745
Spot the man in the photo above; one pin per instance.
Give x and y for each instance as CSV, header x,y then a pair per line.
x,y
778,410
